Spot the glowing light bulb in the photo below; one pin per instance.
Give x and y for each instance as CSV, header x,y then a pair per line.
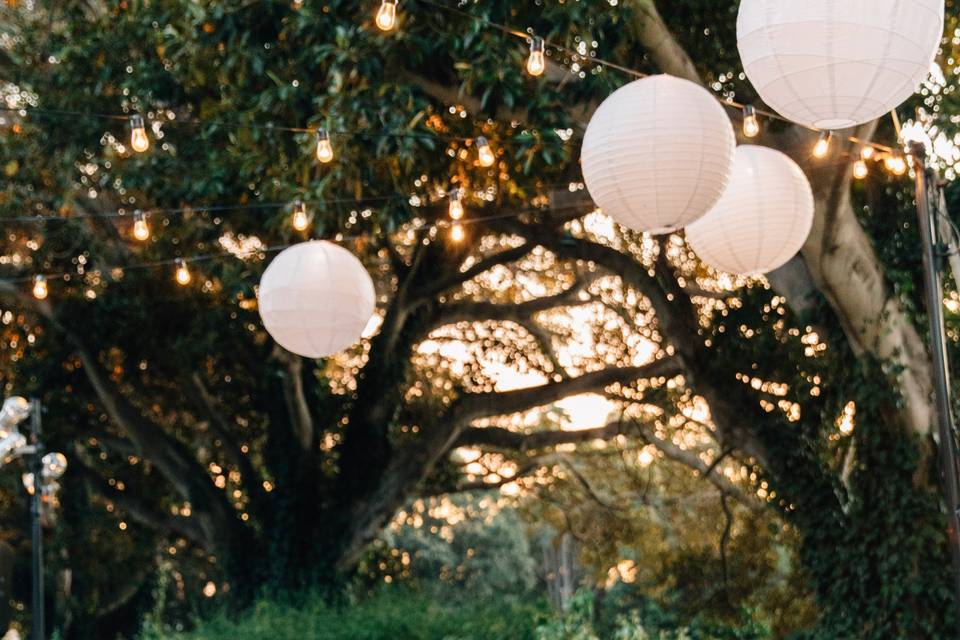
x,y
485,153
54,465
456,204
751,125
40,287
138,134
860,169
457,234
141,230
387,15
536,64
183,273
867,152
28,483
895,165
324,148
300,218
823,145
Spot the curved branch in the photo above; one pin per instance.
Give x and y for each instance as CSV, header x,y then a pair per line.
x,y
470,310
481,266
501,438
473,406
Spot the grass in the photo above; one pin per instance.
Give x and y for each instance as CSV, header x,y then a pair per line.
x,y
388,615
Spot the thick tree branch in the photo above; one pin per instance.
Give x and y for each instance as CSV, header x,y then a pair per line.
x,y
478,310
173,459
652,33
500,438
483,265
295,396
221,430
155,519
473,406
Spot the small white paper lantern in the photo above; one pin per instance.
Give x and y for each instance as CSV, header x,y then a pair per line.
x,y
657,153
763,218
315,299
832,64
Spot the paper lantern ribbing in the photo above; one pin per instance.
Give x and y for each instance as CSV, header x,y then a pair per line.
x,y
657,154
763,218
315,299
832,64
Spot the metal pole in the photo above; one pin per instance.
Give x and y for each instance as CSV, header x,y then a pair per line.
x,y
36,467
933,255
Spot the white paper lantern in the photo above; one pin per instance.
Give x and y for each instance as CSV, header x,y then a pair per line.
x,y
763,218
315,299
657,153
832,64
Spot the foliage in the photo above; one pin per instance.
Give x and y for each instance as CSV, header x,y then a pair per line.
x,y
201,455
467,544
644,623
390,613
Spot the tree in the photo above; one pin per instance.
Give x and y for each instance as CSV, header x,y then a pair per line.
x,y
185,419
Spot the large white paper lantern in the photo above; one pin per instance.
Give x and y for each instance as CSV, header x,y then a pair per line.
x,y
832,64
315,299
763,218
657,153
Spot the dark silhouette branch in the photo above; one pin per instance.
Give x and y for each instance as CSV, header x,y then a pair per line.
x,y
500,438
473,406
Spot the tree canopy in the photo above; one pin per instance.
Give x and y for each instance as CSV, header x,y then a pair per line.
x,y
800,402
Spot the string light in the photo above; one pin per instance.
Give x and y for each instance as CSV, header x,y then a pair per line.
x,y
138,134
183,273
823,144
895,164
860,169
40,287
751,125
456,204
867,152
300,218
536,64
141,230
457,234
324,148
485,153
387,15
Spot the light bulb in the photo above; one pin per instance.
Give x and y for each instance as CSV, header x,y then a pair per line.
x,y
183,273
28,483
823,145
751,125
40,287
895,165
457,234
324,148
300,218
15,410
456,204
536,64
54,465
141,231
387,15
485,153
138,134
867,152
860,169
